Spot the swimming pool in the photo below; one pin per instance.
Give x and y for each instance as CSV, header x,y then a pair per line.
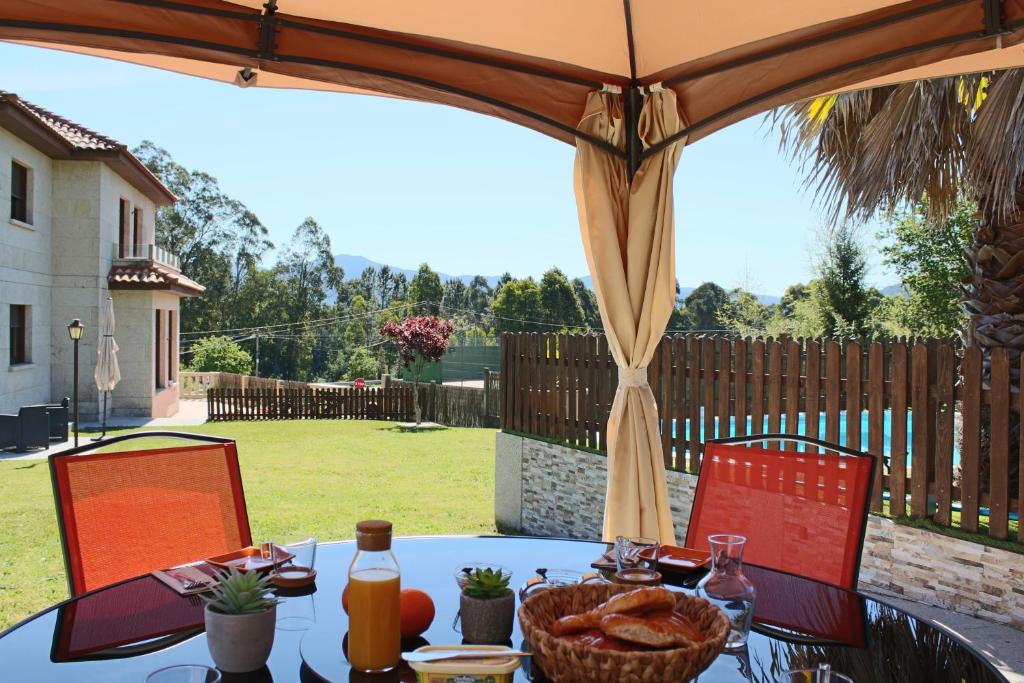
x,y
802,429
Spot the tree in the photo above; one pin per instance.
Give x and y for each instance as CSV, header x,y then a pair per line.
x,y
744,313
588,302
220,354
930,262
872,151
309,279
362,364
792,296
425,290
516,305
478,297
421,339
701,306
559,304
219,241
453,296
845,298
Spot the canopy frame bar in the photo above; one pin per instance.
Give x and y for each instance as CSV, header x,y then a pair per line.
x,y
264,54
874,59
435,85
438,52
823,38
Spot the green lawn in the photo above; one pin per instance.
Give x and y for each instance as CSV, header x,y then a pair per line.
x,y
317,477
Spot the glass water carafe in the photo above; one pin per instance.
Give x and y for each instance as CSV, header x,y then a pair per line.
x,y
727,587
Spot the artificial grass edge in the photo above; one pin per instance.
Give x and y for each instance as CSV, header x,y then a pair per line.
x,y
959,534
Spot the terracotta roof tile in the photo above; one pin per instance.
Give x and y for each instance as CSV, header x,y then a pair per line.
x,y
76,135
148,275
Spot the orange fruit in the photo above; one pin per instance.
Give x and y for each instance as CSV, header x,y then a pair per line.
x,y
417,612
344,599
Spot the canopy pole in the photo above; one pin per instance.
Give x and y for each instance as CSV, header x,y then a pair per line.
x,y
634,147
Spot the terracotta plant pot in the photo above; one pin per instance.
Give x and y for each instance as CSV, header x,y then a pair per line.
x,y
240,642
487,622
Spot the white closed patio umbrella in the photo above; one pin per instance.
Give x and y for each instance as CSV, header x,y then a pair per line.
x,y
107,373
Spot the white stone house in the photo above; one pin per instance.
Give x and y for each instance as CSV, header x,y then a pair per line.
x,y
77,224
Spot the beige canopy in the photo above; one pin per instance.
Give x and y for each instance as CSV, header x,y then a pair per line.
x,y
632,80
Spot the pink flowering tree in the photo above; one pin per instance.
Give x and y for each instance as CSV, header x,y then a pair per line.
x,y
420,340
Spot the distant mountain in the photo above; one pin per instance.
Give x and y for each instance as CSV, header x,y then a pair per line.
x,y
354,265
893,290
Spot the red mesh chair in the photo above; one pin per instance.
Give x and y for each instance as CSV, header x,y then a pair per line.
x,y
127,513
803,513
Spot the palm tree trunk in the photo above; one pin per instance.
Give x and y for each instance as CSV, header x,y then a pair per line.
x,y
994,301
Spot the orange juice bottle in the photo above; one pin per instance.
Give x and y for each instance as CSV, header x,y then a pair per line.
x,y
374,632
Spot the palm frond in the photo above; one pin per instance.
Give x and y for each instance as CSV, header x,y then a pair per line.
x,y
996,152
866,152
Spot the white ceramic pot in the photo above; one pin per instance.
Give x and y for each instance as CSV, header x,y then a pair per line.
x,y
240,642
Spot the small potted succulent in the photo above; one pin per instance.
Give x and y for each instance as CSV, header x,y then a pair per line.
x,y
240,620
487,606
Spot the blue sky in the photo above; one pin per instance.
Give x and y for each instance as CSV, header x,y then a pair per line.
x,y
402,182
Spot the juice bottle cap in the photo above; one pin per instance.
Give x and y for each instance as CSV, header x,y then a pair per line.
x,y
373,534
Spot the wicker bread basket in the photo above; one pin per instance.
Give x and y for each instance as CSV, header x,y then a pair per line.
x,y
565,662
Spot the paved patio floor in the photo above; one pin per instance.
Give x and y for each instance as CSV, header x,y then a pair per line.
x,y
189,413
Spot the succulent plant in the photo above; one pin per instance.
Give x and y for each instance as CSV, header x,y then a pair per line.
x,y
238,593
487,583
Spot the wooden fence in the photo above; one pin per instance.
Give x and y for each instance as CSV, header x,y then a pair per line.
x,y
459,406
194,385
393,403
560,387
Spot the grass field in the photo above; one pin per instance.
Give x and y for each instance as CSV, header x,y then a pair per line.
x,y
317,477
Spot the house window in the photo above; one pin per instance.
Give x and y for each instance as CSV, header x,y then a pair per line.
x,y
158,351
123,227
20,334
21,192
172,348
137,232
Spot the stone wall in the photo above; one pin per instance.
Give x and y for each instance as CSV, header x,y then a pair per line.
x,y
551,490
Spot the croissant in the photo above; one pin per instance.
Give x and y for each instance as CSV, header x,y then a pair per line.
x,y
640,600
665,630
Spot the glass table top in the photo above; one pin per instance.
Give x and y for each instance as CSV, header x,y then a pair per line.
x,y
126,631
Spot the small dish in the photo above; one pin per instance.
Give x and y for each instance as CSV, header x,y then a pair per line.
x,y
249,560
674,558
638,576
293,577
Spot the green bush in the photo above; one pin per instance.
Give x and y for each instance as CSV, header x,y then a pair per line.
x,y
220,354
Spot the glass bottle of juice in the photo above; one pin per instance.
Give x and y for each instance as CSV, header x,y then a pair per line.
x,y
374,632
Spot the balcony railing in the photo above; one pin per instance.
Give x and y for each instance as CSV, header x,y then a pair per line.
x,y
146,252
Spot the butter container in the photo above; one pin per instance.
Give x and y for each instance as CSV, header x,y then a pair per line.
x,y
496,670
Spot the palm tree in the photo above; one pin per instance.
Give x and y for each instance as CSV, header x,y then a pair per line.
x,y
871,151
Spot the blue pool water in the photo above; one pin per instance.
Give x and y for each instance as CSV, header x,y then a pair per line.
x,y
801,429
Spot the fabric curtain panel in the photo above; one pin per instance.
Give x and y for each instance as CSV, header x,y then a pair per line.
x,y
628,237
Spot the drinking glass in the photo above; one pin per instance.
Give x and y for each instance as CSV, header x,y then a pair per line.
x,y
302,547
627,551
822,674
296,611
185,673
726,587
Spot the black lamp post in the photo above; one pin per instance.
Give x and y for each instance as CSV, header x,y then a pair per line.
x,y
75,330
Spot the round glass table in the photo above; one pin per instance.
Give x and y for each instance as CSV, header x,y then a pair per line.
x,y
124,632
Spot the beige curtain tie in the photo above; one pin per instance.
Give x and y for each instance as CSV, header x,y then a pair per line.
x,y
632,377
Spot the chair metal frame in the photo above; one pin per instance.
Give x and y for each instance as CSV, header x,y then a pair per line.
x,y
808,441
86,449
